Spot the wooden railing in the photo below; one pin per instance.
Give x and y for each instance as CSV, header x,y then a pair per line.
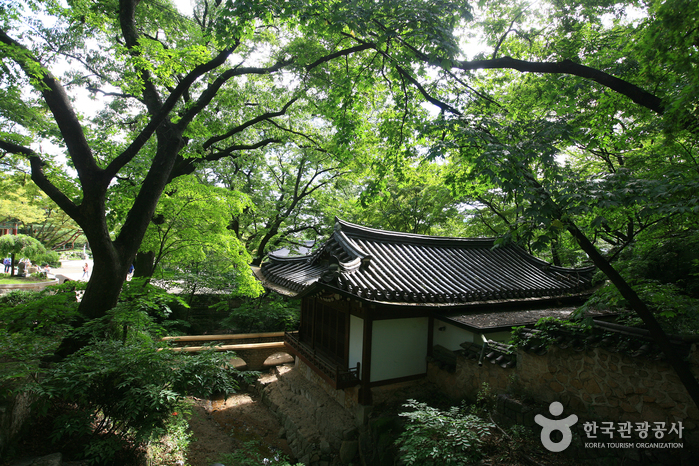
x,y
240,338
339,377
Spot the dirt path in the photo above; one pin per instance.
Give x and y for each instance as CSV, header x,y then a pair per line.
x,y
220,427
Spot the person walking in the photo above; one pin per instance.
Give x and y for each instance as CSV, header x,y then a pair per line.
x,y
7,263
86,271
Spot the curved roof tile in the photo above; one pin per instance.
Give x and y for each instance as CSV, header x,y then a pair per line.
x,y
401,267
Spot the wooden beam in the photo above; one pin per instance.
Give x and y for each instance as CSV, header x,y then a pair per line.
x,y
238,336
249,346
365,389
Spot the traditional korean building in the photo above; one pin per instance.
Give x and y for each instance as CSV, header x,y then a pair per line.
x,y
375,303
9,227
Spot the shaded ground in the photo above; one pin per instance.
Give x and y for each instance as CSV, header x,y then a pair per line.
x,y
219,427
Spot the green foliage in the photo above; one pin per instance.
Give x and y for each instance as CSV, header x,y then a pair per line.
x,y
666,276
31,326
209,373
485,400
121,393
192,242
269,313
253,453
435,437
52,258
124,395
172,447
416,200
46,312
543,337
22,246
117,393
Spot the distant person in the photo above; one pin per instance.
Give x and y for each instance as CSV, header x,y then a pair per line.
x,y
86,271
129,274
8,264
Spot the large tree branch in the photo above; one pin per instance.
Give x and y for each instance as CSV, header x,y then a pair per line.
x,y
635,93
208,95
39,177
164,111
60,106
249,123
127,22
315,144
340,53
186,166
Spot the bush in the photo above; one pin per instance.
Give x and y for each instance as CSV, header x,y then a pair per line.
x,y
252,453
271,313
436,437
123,396
118,392
51,258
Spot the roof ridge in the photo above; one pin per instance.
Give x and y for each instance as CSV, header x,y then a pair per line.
x,y
374,233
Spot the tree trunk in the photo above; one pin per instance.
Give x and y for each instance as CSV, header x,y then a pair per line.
x,y
681,367
143,265
112,259
104,287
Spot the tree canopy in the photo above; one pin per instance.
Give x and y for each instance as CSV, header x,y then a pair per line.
x,y
572,129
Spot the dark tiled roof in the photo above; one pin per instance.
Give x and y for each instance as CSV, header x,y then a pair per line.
x,y
507,319
631,341
405,268
490,320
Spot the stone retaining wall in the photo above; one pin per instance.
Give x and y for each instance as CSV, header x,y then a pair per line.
x,y
318,430
594,384
14,412
28,286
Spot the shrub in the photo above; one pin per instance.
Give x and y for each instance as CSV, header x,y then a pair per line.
x,y
124,395
253,453
32,324
52,258
270,313
436,437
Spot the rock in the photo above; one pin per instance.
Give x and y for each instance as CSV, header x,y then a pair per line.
x,y
350,434
348,450
325,447
282,433
55,459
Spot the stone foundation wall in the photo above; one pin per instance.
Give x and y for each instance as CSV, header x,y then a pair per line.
x,y
318,430
594,384
348,397
14,412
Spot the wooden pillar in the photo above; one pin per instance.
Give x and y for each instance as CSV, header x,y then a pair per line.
x,y
430,335
365,388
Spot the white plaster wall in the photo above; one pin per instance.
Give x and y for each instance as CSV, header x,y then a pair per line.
x,y
356,338
398,348
452,336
